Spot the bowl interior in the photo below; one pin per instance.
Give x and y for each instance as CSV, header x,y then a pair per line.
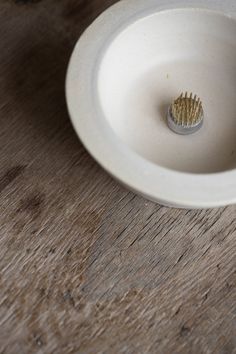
x,y
149,64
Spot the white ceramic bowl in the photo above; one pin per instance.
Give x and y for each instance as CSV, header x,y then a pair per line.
x,y
127,68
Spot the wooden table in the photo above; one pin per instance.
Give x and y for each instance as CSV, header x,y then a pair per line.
x,y
87,266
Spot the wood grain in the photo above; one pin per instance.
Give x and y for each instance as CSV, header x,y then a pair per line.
x,y
86,266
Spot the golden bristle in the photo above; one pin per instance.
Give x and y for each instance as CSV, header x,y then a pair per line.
x,y
187,110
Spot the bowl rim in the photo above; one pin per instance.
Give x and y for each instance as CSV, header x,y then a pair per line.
x,y
160,184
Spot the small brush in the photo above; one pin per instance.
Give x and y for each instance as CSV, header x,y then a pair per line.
x,y
186,115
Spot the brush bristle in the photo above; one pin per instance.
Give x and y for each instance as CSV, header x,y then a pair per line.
x,y
187,110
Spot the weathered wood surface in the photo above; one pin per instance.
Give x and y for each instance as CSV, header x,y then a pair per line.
x,y
86,266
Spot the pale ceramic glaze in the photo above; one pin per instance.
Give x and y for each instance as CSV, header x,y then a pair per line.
x,y
125,71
